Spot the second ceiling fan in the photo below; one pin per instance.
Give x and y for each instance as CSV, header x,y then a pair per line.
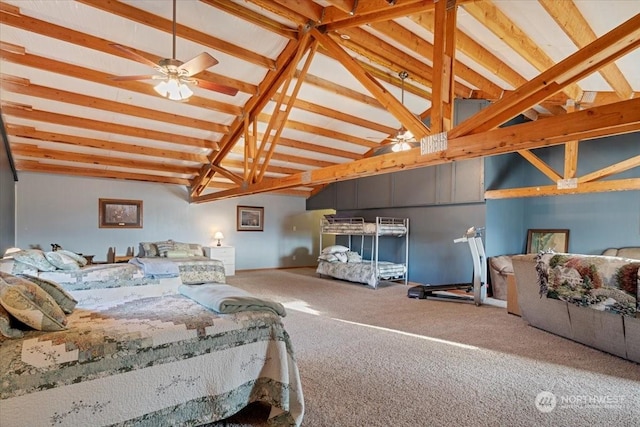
x,y
175,75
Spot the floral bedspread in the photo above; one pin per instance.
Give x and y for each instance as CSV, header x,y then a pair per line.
x,y
200,270
146,355
362,272
599,282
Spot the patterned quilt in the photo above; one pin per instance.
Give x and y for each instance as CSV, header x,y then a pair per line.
x,y
148,356
362,272
603,283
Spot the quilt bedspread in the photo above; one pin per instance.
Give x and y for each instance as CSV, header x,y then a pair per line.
x,y
361,272
200,270
148,356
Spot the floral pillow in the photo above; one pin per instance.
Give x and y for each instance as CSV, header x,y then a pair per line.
x,y
192,249
34,258
66,302
62,261
149,249
353,257
31,305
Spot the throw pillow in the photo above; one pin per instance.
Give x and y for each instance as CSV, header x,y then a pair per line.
x,y
62,261
31,305
149,249
335,248
34,258
66,302
193,249
177,254
82,261
353,257
165,246
5,325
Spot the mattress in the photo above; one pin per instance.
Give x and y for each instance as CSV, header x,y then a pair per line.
x,y
362,272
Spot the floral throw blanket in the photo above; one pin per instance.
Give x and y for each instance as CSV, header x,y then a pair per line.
x,y
599,282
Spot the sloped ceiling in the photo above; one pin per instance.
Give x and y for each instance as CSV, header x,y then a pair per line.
x,y
330,69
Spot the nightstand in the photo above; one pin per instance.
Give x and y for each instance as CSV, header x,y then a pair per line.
x,y
226,254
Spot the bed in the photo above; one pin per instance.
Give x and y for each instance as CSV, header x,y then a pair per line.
x,y
147,355
345,263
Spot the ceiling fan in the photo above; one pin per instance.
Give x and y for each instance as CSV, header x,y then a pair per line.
x,y
175,75
404,139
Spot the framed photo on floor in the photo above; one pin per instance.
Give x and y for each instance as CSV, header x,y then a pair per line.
x,y
250,218
556,240
117,213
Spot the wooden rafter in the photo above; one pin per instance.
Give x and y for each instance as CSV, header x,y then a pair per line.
x,y
443,60
602,51
623,116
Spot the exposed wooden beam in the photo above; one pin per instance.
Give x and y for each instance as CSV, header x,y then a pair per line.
x,y
553,190
619,167
23,86
138,15
372,11
607,48
443,61
254,18
504,28
541,133
85,40
43,167
31,133
406,117
99,77
66,120
572,22
540,165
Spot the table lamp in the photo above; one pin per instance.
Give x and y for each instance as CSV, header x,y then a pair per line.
x,y
219,236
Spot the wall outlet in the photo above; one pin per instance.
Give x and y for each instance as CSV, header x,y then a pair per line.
x,y
294,228
293,257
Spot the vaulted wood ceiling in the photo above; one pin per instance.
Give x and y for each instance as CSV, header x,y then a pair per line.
x,y
319,88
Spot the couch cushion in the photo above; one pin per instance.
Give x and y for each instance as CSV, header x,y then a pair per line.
x,y
632,252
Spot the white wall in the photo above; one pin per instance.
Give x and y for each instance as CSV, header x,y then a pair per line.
x,y
64,210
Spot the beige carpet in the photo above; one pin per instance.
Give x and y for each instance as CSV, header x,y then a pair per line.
x,y
377,358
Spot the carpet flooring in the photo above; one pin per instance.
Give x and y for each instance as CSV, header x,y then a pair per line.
x,y
377,358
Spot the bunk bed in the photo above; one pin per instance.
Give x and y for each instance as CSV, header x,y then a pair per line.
x,y
343,262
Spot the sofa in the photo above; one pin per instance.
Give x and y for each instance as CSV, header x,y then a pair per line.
x,y
591,299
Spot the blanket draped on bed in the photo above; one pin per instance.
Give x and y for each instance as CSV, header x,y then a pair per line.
x,y
228,299
156,268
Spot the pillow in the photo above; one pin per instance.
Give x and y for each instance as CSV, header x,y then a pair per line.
x,y
62,261
353,257
66,302
149,249
82,261
193,249
335,248
31,305
177,254
165,246
342,256
34,258
5,325
328,258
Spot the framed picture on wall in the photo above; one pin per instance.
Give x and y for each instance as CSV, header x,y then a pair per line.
x,y
250,218
556,240
116,213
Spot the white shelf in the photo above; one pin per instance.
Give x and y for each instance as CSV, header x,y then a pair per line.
x,y
226,254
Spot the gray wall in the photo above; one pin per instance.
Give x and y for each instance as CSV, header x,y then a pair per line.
x,y
64,210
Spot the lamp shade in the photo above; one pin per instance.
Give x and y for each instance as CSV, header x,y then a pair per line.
x,y
218,236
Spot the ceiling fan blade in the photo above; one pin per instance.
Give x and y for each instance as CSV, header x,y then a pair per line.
x,y
132,55
215,87
129,78
198,64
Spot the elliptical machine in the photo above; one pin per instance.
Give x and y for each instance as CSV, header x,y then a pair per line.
x,y
478,284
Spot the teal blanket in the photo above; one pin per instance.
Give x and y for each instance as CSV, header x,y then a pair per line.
x,y
229,299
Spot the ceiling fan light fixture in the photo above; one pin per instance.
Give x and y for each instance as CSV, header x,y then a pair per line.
x,y
401,146
173,89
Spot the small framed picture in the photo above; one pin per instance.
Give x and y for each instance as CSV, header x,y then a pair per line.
x,y
115,213
250,218
556,240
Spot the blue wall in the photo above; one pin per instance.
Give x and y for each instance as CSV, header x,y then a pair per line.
x,y
595,221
